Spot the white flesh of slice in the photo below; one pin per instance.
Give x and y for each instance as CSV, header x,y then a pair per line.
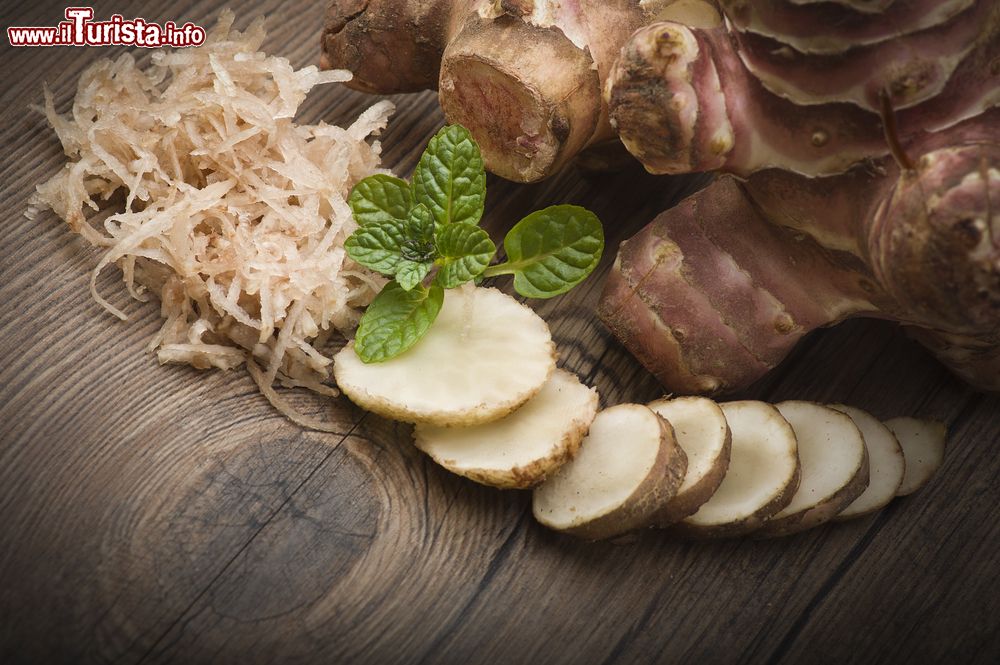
x,y
923,444
885,463
518,450
614,462
484,356
763,468
703,433
832,454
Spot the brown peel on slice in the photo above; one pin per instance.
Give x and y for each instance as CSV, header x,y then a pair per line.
x,y
834,464
763,474
886,465
521,449
702,431
629,466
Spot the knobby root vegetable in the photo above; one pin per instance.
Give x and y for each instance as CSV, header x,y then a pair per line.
x,y
524,76
867,149
829,29
629,466
390,46
885,464
763,474
703,433
485,355
923,444
834,463
521,449
707,308
683,99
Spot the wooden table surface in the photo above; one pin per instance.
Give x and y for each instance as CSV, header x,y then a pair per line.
x,y
156,514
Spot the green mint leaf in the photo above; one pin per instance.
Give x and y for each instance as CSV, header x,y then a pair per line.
x,y
451,178
380,198
552,250
419,243
396,320
418,249
378,246
411,273
464,251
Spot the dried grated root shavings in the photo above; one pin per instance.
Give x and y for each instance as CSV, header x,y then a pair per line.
x,y
232,214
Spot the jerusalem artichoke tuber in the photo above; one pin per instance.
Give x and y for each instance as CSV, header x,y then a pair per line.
x,y
864,132
523,76
890,174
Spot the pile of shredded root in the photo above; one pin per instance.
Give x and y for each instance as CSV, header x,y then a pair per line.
x,y
226,209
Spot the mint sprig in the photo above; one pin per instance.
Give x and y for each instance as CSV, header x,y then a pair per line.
x,y
425,236
450,177
552,250
378,246
396,320
465,251
380,198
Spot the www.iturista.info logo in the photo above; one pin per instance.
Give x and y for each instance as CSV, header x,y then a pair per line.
x,y
79,30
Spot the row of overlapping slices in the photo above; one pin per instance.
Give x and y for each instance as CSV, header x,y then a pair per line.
x,y
489,404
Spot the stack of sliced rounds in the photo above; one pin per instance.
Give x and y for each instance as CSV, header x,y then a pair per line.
x,y
885,464
627,469
488,404
834,467
520,449
703,433
763,473
923,444
484,356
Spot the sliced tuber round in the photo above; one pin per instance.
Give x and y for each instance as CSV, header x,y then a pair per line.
x,y
885,464
923,444
702,432
762,477
521,449
834,467
484,356
628,467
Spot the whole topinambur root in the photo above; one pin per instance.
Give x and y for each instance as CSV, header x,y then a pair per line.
x,y
524,76
858,139
870,182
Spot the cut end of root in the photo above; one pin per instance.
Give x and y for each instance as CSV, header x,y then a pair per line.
x,y
528,95
517,137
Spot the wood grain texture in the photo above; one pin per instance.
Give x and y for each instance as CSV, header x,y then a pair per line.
x,y
161,514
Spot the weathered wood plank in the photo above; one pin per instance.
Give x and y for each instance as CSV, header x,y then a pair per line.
x,y
925,589
170,470
547,597
160,514
443,572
